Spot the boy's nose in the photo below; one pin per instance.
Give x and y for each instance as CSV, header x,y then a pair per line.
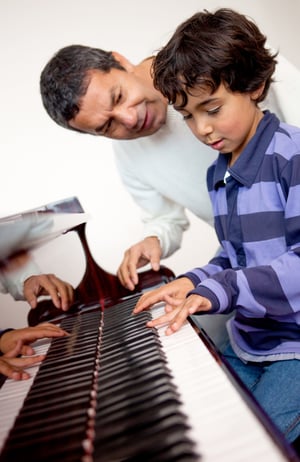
x,y
203,128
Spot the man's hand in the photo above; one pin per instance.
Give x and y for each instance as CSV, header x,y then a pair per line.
x,y
140,254
13,367
27,335
61,292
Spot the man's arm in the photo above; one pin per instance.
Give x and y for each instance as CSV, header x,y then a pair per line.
x,y
164,220
284,93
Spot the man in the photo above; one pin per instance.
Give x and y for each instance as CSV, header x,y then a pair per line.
x,y
160,162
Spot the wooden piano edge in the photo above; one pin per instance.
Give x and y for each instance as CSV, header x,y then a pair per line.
x,y
286,449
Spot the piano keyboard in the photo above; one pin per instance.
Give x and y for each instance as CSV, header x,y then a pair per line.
x,y
118,391
224,428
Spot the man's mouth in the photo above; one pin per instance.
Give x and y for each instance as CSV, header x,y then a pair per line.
x,y
146,123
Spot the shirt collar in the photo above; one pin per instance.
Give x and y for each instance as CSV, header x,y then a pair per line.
x,y
247,165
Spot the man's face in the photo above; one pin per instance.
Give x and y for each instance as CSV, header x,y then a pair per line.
x,y
120,105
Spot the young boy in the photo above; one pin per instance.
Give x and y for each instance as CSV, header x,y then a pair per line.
x,y
216,70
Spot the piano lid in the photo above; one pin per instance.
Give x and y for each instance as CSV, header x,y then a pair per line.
x,y
28,230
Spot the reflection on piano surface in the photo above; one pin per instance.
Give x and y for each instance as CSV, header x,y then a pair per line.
x,y
115,390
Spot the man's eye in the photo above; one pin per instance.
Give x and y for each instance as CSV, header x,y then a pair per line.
x,y
107,127
187,116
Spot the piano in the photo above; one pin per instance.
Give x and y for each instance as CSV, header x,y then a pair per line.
x,y
115,390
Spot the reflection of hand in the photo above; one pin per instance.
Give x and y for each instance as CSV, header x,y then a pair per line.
x,y
13,367
140,254
61,292
28,335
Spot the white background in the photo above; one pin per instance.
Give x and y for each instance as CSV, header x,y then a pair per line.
x,y
41,162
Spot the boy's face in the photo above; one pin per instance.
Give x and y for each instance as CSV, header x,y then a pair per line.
x,y
121,105
223,120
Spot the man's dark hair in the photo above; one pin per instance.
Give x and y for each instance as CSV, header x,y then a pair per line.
x,y
213,48
65,79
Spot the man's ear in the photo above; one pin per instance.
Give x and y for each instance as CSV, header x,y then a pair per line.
x,y
123,61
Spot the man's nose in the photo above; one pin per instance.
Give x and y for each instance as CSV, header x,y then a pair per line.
x,y
126,116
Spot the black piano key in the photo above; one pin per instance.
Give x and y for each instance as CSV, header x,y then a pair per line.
x,y
73,371
133,375
142,433
133,409
137,450
135,393
152,352
139,403
158,380
137,346
131,335
54,449
66,364
54,400
126,324
39,394
33,416
37,433
131,370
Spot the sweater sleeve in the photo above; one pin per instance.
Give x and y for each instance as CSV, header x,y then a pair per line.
x,y
161,216
284,93
12,282
271,290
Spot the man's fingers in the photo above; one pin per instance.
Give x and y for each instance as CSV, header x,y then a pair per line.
x,y
61,292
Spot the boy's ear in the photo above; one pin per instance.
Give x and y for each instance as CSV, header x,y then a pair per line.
x,y
256,94
123,61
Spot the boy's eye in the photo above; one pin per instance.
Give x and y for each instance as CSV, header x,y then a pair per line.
x,y
187,116
214,110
